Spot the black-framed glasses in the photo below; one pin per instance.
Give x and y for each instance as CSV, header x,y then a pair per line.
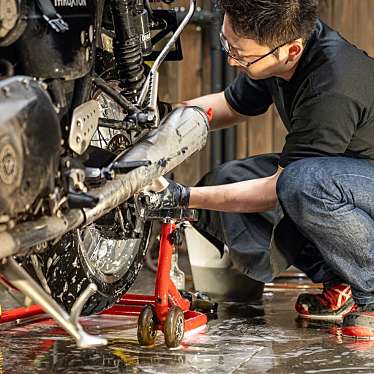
x,y
227,48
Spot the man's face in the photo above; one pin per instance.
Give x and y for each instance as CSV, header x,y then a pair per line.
x,y
244,51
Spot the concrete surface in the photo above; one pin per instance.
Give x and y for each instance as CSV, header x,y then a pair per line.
x,y
244,339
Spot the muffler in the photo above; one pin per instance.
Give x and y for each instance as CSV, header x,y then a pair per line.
x,y
181,134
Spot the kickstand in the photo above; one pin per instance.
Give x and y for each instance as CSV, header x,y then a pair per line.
x,y
20,279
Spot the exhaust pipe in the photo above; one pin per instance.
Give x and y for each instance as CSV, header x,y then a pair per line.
x,y
181,134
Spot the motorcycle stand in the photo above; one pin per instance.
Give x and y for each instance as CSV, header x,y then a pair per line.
x,y
165,311
19,278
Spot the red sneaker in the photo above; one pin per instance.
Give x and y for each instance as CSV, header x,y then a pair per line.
x,y
334,303
359,324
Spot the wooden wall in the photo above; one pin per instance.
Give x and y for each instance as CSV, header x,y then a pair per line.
x,y
354,19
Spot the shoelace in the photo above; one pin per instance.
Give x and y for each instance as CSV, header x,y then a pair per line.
x,y
334,296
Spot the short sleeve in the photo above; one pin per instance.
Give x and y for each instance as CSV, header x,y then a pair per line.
x,y
247,96
322,126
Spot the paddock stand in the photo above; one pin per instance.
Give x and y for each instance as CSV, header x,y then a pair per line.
x,y
165,311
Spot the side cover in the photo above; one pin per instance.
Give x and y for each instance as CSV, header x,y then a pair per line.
x,y
30,139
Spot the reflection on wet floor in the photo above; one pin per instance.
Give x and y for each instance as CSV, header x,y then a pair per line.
x,y
244,338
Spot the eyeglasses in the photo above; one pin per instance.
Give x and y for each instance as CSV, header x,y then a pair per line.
x,y
227,48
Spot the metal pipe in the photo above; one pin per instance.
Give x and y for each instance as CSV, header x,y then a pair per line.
x,y
229,138
182,133
161,57
217,86
18,277
201,17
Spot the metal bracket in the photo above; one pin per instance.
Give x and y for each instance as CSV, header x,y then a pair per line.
x,y
19,278
83,126
57,24
164,52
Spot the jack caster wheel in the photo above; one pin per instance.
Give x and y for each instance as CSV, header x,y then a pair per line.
x,y
174,327
147,327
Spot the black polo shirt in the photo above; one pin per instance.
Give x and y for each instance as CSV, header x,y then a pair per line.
x,y
327,106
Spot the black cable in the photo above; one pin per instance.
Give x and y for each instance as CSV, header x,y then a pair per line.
x,y
121,100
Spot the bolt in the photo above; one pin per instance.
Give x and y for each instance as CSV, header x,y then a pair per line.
x,y
43,85
6,91
67,163
26,83
78,139
91,33
83,37
162,162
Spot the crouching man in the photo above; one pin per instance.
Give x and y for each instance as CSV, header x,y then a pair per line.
x,y
322,182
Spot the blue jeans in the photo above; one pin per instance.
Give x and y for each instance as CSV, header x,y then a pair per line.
x,y
330,200
248,235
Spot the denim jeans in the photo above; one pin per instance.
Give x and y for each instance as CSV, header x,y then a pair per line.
x,y
328,225
331,202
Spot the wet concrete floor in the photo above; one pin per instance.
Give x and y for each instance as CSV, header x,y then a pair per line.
x,y
244,338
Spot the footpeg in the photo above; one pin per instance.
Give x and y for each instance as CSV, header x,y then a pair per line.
x,y
19,278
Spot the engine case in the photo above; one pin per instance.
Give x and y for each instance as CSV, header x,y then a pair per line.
x,y
30,139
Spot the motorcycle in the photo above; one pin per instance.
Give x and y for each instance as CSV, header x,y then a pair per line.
x,y
80,135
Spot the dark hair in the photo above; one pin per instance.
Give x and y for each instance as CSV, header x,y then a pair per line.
x,y
272,22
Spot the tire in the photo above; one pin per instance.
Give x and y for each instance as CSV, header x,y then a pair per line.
x,y
174,327
64,273
147,332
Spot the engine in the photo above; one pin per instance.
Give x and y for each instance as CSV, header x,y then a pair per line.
x,y
32,44
30,141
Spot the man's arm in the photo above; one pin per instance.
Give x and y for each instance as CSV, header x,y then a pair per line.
x,y
223,115
257,195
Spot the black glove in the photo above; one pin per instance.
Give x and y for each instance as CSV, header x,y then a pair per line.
x,y
174,196
164,109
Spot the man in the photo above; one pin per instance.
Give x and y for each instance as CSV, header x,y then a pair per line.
x,y
323,88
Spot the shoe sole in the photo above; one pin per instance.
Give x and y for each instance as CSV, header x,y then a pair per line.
x,y
358,332
339,315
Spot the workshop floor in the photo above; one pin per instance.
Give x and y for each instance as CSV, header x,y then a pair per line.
x,y
244,339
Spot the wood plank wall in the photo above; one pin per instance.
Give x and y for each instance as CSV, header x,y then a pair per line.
x,y
354,19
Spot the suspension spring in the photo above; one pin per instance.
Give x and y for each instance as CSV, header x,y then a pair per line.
x,y
127,49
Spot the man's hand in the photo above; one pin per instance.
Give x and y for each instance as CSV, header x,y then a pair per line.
x,y
174,196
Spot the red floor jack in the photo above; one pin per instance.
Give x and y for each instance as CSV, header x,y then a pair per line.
x,y
165,311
